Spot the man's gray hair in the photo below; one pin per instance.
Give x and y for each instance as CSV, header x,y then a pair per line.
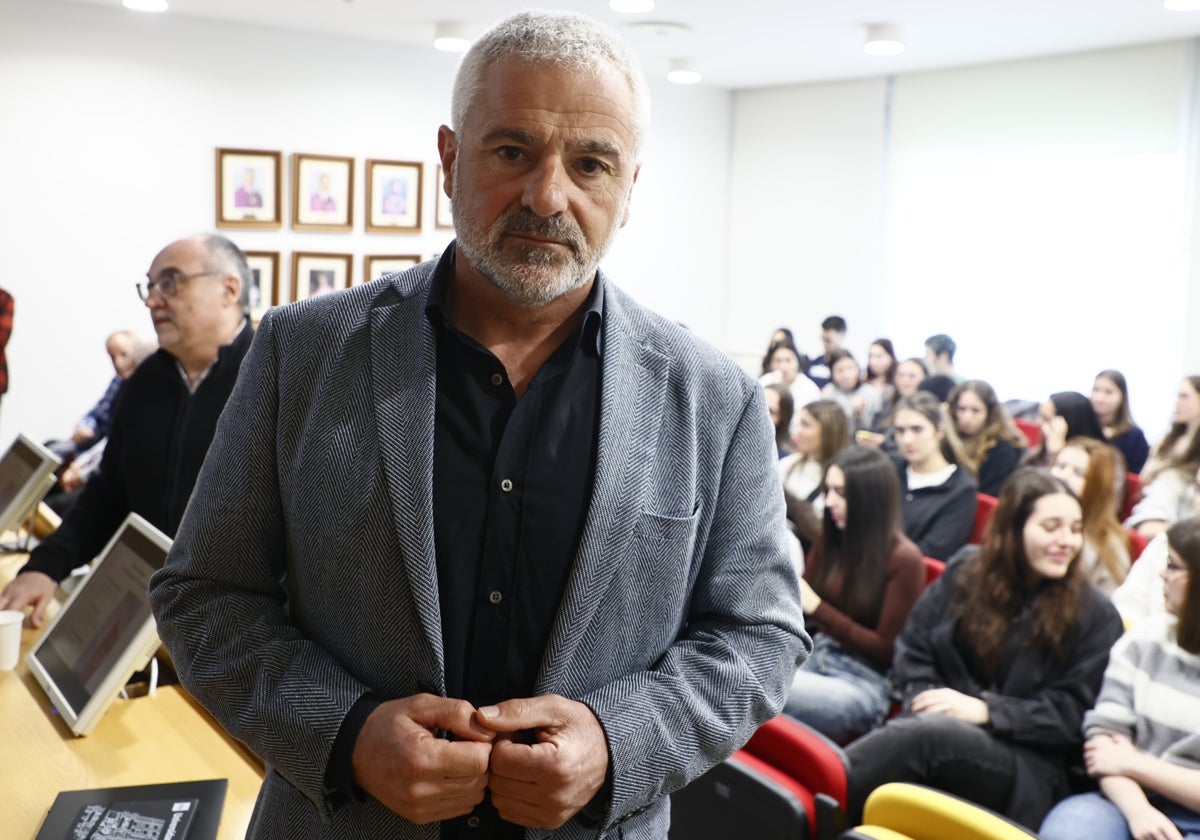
x,y
562,39
228,257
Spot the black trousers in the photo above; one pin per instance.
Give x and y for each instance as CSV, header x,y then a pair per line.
x,y
934,750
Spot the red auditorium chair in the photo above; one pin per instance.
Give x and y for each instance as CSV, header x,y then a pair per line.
x,y
743,796
1133,494
1031,430
1137,543
933,569
985,506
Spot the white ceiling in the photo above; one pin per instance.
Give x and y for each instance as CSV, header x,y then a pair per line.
x,y
755,43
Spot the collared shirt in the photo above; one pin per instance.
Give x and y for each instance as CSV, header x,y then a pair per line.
x,y
512,481
99,419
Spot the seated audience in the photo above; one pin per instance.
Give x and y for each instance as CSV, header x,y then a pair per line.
x,y
999,661
781,336
780,408
1143,736
1093,470
833,336
881,370
909,375
1067,414
1180,446
939,385
937,496
121,347
1140,595
785,369
939,356
860,400
1110,399
1167,499
991,444
861,581
822,432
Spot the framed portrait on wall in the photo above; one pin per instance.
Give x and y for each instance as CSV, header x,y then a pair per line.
x,y
375,266
319,274
393,196
322,192
264,282
441,216
248,189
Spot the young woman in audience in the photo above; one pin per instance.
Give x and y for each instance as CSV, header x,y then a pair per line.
x,y
1110,399
937,496
999,661
821,433
1092,470
1181,444
859,399
781,336
881,368
991,444
860,583
1166,499
1143,736
781,408
1141,595
1067,414
785,369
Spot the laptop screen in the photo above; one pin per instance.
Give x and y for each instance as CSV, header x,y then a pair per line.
x,y
105,632
25,475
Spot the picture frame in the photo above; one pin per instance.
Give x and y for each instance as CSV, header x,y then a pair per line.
x,y
322,192
377,265
249,188
316,274
264,282
443,219
394,192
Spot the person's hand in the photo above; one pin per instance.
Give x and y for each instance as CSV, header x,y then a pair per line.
x,y
1149,823
34,589
1056,434
951,703
809,599
71,478
544,783
1108,754
871,439
82,434
399,759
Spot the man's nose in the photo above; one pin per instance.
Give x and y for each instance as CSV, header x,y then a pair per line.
x,y
545,191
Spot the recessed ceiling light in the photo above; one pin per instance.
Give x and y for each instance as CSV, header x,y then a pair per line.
x,y
145,5
632,7
883,39
681,72
450,37
1182,5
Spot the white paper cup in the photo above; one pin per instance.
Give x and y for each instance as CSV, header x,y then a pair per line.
x,y
10,638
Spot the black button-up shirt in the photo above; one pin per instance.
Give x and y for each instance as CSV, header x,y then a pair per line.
x,y
512,480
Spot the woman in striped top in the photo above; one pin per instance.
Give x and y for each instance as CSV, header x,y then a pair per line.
x,y
1143,736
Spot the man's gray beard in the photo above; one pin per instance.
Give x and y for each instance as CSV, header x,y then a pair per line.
x,y
537,275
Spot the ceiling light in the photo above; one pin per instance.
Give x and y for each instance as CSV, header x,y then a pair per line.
x,y
633,7
883,39
450,37
681,72
1182,5
145,5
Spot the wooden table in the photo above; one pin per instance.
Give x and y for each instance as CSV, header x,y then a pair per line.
x,y
147,740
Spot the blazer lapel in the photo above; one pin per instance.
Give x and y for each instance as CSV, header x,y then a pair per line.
x,y
403,378
633,391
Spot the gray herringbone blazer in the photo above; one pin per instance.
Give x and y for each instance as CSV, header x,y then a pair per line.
x,y
303,574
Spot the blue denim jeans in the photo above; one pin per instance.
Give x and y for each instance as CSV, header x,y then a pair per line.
x,y
1089,816
837,693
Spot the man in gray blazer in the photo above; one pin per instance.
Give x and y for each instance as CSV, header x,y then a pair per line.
x,y
484,548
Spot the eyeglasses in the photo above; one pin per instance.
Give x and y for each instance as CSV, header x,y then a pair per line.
x,y
167,284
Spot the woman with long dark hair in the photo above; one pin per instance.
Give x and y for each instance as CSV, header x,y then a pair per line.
x,y
999,661
1143,736
861,580
780,409
991,443
1110,399
1067,414
821,433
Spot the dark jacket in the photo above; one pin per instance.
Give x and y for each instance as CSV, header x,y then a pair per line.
x,y
1035,702
1001,460
160,435
938,519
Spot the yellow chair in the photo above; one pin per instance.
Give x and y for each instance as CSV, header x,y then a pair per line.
x,y
902,811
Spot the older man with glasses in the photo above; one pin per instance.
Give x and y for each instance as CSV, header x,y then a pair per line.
x,y
196,292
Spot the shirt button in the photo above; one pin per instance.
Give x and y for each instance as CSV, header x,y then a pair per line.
x,y
506,485
472,822
497,379
495,597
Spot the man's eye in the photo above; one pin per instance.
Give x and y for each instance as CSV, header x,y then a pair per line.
x,y
510,153
591,166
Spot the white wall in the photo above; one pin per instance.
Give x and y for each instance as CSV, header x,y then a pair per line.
x,y
110,121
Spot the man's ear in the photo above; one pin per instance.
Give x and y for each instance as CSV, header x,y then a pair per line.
x,y
448,152
629,195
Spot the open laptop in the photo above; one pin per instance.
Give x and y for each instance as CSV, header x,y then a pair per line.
x,y
105,631
26,474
